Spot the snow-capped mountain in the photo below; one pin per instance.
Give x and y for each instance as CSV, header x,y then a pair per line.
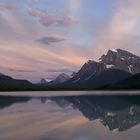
x,y
115,66
121,60
111,68
45,81
114,59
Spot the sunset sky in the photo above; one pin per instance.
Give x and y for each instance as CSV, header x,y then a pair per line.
x,y
42,38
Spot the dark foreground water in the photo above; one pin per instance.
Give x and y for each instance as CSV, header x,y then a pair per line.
x,y
73,117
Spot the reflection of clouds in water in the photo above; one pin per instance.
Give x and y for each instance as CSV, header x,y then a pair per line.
x,y
43,124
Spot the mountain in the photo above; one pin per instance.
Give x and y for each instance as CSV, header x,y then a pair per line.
x,y
118,69
113,67
59,80
114,59
9,83
88,70
73,74
44,81
106,77
132,82
4,79
122,60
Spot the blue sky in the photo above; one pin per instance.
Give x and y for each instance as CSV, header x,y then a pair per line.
x,y
38,36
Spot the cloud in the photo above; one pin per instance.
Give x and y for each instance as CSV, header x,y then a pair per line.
x,y
122,30
37,12
126,19
51,39
61,70
22,70
32,2
33,12
48,19
11,21
66,21
37,0
34,57
8,6
74,6
26,71
55,20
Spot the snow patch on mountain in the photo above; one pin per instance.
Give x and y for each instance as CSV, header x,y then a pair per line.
x,y
122,59
113,50
130,68
45,80
76,80
109,66
111,114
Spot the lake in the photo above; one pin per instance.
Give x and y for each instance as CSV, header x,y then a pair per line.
x,y
79,115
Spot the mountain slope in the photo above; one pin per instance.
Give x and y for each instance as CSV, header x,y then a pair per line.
x,y
113,67
59,80
106,77
9,83
4,79
88,70
132,82
44,81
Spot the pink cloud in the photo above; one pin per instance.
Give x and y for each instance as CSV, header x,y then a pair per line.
x,y
54,20
52,39
63,69
36,12
47,18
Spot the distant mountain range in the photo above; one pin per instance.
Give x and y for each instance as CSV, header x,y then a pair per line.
x,y
58,80
118,69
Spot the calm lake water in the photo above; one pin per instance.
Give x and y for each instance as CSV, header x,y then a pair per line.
x,y
70,115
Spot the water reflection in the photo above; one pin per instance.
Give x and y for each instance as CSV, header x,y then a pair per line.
x,y
6,101
117,112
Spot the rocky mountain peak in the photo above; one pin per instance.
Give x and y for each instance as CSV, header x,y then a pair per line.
x,y
62,78
73,74
122,60
45,81
88,69
115,59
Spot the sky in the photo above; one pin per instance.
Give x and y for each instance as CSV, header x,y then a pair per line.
x,y
43,38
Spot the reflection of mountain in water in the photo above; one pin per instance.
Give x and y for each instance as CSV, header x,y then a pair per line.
x,y
116,112
6,101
